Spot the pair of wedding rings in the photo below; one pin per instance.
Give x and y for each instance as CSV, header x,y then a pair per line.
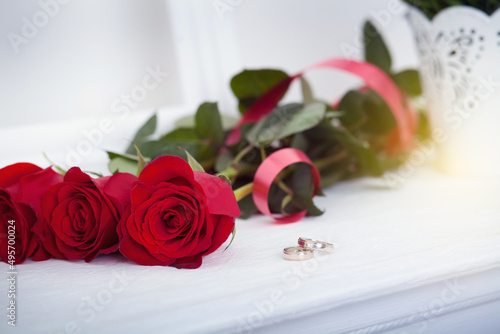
x,y
305,250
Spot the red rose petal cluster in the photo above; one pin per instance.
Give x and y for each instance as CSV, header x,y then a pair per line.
x,y
80,215
169,216
22,186
176,216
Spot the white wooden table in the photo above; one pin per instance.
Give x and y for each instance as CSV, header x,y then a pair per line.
x,y
422,258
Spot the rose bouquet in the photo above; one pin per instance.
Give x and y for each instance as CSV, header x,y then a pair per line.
x,y
369,130
174,199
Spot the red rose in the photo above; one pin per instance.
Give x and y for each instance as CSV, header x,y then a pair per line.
x,y
80,215
22,186
176,216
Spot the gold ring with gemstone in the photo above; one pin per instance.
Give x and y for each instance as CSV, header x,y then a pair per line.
x,y
320,246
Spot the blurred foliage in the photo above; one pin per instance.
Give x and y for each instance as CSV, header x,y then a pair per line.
x,y
431,7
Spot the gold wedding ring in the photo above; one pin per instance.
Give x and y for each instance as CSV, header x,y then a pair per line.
x,y
297,253
315,245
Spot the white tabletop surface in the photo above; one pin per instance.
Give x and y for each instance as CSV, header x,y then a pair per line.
x,y
404,257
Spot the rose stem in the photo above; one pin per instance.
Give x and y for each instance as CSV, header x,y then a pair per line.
x,y
243,191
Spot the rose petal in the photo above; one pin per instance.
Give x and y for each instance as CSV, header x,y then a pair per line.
x,y
223,229
11,174
220,196
165,168
80,220
34,186
137,253
118,187
75,174
192,262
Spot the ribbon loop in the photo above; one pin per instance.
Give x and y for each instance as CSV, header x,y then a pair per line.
x,y
269,170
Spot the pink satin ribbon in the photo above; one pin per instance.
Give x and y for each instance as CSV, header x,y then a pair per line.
x,y
269,170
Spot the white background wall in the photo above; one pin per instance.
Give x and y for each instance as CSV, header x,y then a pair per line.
x,y
81,59
287,34
91,52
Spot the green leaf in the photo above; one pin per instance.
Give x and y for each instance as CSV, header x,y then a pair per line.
x,y
249,85
174,142
307,118
247,207
379,119
302,185
267,129
223,161
334,114
299,141
146,130
307,94
187,121
202,153
364,154
122,165
112,155
183,134
322,133
275,199
228,122
195,165
409,81
306,203
376,51
209,124
351,107
366,110
332,175
285,121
